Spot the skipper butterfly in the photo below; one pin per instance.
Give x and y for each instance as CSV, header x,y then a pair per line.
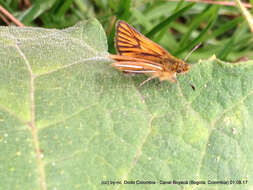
x,y
139,55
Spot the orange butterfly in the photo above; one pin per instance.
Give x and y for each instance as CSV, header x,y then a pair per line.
x,y
138,54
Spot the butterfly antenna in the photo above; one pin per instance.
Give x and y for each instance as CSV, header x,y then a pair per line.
x,y
193,49
188,55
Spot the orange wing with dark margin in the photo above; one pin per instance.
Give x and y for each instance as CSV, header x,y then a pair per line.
x,y
131,43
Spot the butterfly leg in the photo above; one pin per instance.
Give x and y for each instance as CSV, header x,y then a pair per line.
x,y
127,74
148,79
168,76
173,79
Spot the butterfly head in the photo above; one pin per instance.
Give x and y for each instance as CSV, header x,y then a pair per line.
x,y
182,67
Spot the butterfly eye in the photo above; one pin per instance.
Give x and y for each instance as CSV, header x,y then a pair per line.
x,y
179,71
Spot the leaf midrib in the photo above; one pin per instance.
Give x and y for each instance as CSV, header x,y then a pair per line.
x,y
31,123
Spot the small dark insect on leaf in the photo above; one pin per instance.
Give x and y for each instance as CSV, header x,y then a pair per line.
x,y
193,87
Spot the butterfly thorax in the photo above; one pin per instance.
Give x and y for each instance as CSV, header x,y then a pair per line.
x,y
173,64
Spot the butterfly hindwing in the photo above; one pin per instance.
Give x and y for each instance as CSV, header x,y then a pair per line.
x,y
135,65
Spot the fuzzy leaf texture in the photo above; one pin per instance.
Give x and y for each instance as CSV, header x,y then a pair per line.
x,y
70,121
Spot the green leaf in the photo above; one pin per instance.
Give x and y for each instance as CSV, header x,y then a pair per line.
x,y
64,7
196,22
70,121
212,18
123,11
35,11
168,20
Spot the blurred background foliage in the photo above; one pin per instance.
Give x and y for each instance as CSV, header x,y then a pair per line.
x,y
176,25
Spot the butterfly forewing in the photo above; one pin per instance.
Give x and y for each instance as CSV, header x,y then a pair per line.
x,y
130,42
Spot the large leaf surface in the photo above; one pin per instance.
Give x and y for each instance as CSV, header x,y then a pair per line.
x,y
70,121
